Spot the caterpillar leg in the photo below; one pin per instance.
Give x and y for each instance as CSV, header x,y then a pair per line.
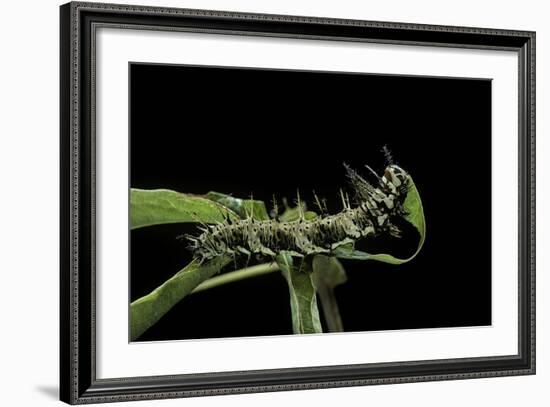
x,y
343,242
266,251
294,253
248,254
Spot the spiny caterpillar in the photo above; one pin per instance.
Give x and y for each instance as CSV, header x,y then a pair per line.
x,y
372,214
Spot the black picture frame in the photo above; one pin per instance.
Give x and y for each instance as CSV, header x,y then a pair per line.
x,y
78,382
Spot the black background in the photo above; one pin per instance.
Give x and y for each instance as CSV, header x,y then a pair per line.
x,y
265,132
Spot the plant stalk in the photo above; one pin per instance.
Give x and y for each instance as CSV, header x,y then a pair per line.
x,y
329,306
237,275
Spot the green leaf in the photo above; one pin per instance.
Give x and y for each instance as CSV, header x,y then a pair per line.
x,y
328,270
159,206
147,310
328,273
293,214
242,207
415,216
303,299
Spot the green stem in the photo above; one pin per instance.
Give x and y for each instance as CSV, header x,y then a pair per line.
x,y
236,276
329,305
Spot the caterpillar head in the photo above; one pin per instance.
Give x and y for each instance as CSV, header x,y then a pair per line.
x,y
396,182
396,176
391,188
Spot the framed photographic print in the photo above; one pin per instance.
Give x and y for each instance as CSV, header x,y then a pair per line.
x,y
257,203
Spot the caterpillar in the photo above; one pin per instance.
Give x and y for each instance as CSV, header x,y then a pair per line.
x,y
372,214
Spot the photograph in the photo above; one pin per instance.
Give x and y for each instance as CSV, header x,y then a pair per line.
x,y
255,202
275,203
306,202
